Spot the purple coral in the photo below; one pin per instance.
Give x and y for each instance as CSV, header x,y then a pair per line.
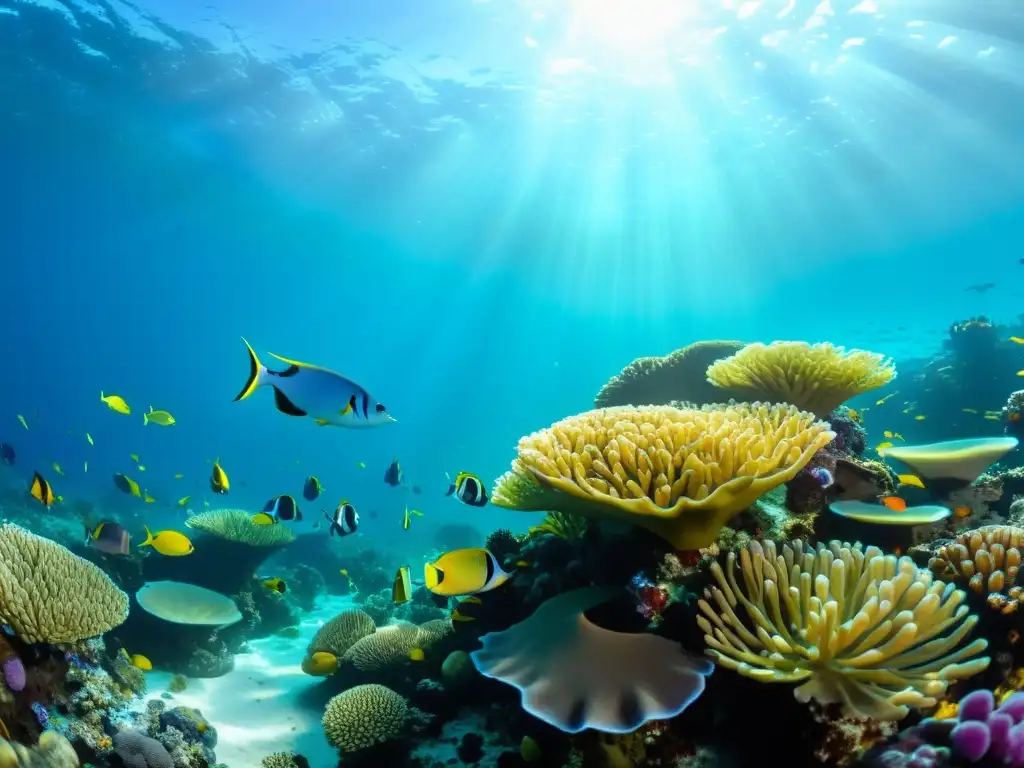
x,y
14,673
981,732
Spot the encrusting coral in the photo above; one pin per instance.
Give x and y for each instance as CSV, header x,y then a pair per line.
x,y
681,474
364,716
50,595
988,560
679,376
816,378
871,632
237,525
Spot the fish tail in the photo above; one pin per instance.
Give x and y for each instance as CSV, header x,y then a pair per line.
x,y
256,373
149,538
145,418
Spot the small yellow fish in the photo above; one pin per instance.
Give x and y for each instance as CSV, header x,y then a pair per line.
x,y
141,468
183,501
1019,373
163,418
882,446
178,476
135,457
141,662
22,420
913,480
968,410
262,518
89,438
168,543
881,400
416,654
1017,340
116,403
993,417
275,585
149,499
57,469
855,415
920,417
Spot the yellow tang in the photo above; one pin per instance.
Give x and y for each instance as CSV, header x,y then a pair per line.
x,y
183,501
140,661
913,480
464,572
416,654
920,417
882,446
163,418
148,499
401,591
168,543
1017,340
320,664
41,490
116,403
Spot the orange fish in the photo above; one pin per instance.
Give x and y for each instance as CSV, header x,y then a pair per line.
x,y
962,511
895,503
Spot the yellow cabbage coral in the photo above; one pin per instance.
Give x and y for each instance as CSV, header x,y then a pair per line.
x,y
679,376
341,633
364,716
679,473
49,595
986,559
817,378
237,525
871,632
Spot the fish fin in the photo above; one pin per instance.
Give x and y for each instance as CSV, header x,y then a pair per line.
x,y
294,364
255,369
145,417
451,489
286,406
348,408
149,538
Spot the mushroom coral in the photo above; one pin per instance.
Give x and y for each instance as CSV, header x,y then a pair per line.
x,y
680,473
679,376
574,674
871,632
960,460
814,377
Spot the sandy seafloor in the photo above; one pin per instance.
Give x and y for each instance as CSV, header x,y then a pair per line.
x,y
257,708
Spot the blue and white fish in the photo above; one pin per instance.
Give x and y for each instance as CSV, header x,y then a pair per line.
x,y
344,521
308,390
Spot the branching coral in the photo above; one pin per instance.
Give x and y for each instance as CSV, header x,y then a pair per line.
x,y
237,525
49,595
364,716
561,524
987,560
816,378
679,376
871,632
679,473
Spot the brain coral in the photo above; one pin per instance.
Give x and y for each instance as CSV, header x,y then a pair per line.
x,y
237,525
873,633
680,376
363,716
340,633
388,645
817,378
53,751
49,595
677,472
137,750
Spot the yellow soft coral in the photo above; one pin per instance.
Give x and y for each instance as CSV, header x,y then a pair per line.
x,y
817,378
50,595
987,560
237,525
871,632
679,473
679,376
364,716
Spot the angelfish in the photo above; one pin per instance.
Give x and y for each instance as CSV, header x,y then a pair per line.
x,y
327,397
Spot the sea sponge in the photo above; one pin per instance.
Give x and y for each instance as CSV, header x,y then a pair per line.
x,y
388,645
871,632
137,750
816,378
237,525
52,751
987,560
364,716
679,473
339,634
49,595
679,376
551,658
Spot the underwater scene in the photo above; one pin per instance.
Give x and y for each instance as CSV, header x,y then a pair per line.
x,y
509,383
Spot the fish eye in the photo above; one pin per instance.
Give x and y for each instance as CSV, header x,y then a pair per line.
x,y
380,408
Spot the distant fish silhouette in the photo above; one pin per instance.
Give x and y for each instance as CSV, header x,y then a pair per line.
x,y
981,287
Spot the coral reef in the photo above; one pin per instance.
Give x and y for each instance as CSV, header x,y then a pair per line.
x,y
853,626
53,751
987,561
364,716
681,474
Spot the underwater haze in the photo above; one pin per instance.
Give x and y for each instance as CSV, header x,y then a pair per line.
x,y
478,212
